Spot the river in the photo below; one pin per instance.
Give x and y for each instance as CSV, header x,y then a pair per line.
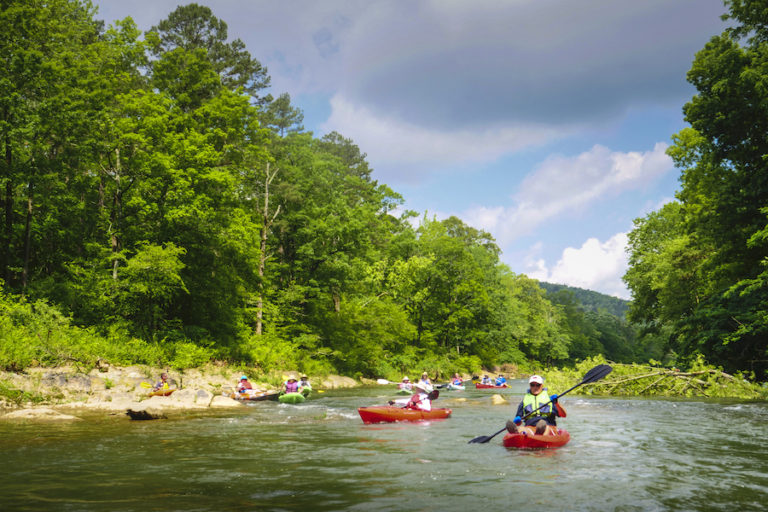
x,y
624,455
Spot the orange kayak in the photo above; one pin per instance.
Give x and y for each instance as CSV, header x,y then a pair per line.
x,y
553,438
390,414
162,392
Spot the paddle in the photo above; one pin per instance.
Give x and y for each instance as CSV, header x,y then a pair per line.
x,y
593,375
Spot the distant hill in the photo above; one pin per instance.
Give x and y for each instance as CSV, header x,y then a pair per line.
x,y
591,300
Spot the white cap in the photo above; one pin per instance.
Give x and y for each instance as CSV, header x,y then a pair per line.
x,y
536,379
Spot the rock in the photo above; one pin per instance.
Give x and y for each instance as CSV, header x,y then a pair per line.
x,y
498,400
39,414
203,397
224,401
144,415
337,381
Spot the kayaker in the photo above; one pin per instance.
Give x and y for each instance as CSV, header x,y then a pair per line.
x,y
457,380
304,386
162,383
405,384
291,385
420,398
535,397
500,380
243,384
486,380
425,379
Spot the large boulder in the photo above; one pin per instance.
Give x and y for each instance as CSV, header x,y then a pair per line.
x,y
38,414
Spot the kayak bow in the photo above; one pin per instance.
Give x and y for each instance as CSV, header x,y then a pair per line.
x,y
527,439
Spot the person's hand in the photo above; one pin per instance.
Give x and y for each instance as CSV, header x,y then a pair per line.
x,y
553,398
391,402
518,420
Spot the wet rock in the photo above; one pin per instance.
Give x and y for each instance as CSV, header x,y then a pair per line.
x,y
39,414
144,415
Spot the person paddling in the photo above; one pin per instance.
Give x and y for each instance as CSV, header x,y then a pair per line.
x,y
486,380
304,386
244,385
292,385
162,383
535,397
456,381
500,380
420,398
425,379
406,384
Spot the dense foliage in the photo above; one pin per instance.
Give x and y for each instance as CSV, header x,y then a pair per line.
x,y
158,206
698,265
590,300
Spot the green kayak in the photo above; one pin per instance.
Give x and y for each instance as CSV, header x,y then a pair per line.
x,y
291,398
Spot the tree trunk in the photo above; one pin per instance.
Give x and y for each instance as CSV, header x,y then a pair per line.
x,y
267,221
8,203
115,215
27,238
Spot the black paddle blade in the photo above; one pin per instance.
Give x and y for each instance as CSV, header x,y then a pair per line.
x,y
596,373
433,395
485,439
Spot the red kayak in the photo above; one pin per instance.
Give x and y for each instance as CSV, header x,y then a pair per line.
x,y
528,439
390,414
489,386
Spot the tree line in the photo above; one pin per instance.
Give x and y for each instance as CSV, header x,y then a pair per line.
x,y
158,206
698,265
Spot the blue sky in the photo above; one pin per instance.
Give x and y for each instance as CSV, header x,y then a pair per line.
x,y
543,122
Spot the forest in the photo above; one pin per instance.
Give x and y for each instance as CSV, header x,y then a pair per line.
x,y
159,206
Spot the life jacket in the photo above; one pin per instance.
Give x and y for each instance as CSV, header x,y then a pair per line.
x,y
291,387
531,402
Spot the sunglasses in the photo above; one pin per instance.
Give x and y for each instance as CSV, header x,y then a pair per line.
x,y
535,385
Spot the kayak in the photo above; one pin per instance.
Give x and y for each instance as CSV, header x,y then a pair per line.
x,y
162,392
291,398
404,392
455,387
552,439
255,397
390,414
489,386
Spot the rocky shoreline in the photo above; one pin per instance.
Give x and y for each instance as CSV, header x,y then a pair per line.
x,y
69,394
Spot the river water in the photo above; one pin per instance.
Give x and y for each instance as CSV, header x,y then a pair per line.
x,y
624,455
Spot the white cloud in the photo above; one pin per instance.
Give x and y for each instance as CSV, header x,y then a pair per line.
x,y
403,148
567,185
595,266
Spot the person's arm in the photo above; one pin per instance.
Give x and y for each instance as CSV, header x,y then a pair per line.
x,y
520,409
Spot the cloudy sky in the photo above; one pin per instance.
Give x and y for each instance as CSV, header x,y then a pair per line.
x,y
544,122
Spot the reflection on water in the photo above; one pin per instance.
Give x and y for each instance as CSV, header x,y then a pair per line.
x,y
627,455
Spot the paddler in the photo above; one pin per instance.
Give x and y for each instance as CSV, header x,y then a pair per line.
x,y
304,386
405,384
425,379
500,380
291,385
244,384
486,380
420,400
535,397
456,381
162,383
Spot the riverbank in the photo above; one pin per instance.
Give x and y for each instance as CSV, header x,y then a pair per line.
x,y
69,394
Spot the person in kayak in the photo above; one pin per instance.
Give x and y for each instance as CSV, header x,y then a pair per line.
x,y
304,386
291,385
162,383
420,399
456,381
535,397
406,384
500,380
244,384
425,379
486,380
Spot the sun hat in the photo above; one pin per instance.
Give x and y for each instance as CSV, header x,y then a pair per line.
x,y
405,379
535,379
423,386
